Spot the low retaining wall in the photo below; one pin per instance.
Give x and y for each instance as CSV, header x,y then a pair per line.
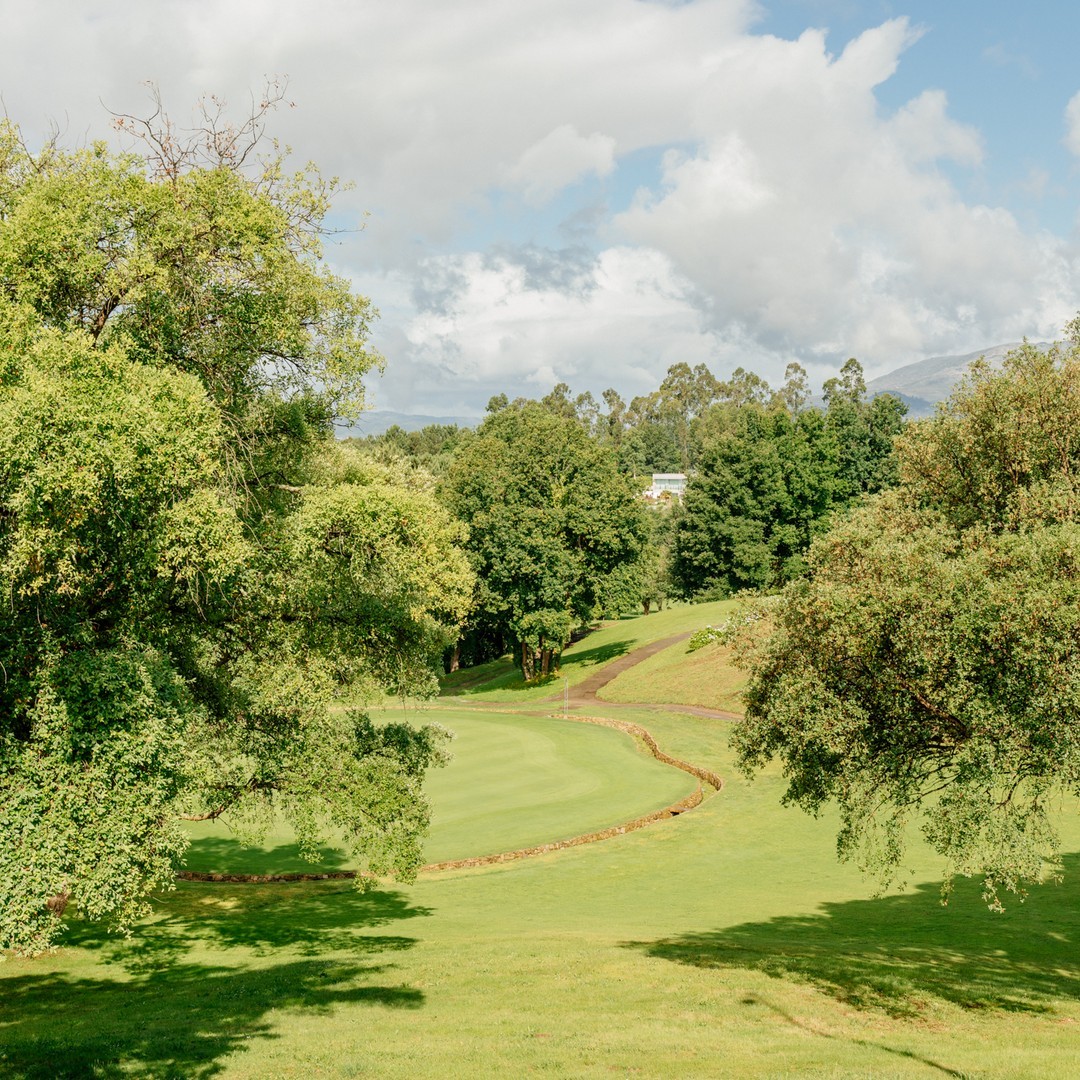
x,y
704,776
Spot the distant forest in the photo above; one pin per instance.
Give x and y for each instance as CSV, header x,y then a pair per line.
x,y
550,491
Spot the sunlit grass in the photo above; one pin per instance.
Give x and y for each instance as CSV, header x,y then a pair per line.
x,y
513,782
704,677
501,681
727,942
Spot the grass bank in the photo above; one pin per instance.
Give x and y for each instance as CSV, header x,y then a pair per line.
x,y
500,681
727,942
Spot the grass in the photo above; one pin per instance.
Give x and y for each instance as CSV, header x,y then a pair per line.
x,y
500,681
539,780
676,676
727,942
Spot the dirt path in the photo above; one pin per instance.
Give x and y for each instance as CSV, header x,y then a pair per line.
x,y
584,694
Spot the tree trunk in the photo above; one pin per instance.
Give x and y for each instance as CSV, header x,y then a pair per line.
x,y
455,657
528,662
645,605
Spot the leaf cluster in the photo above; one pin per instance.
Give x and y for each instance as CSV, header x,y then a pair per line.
x,y
191,572
929,667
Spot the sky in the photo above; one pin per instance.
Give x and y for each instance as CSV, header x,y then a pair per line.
x,y
589,191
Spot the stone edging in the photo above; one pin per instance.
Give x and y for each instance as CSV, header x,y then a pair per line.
x,y
638,732
703,776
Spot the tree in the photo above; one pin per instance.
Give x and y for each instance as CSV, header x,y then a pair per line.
x,y
550,522
192,570
863,432
771,472
762,491
929,666
654,584
659,439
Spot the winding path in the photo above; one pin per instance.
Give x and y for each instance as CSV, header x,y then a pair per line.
x,y
584,694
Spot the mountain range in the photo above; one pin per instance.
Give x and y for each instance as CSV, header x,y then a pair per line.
x,y
923,384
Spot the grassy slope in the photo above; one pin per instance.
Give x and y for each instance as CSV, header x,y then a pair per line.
x,y
678,676
513,782
501,681
727,942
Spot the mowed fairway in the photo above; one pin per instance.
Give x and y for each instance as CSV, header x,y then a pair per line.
x,y
515,781
518,781
726,942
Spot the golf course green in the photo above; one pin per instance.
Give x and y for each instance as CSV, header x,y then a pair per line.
x,y
724,942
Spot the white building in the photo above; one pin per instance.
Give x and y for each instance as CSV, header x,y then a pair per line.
x,y
669,485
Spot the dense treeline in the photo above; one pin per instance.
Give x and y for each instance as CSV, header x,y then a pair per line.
x,y
559,533
770,477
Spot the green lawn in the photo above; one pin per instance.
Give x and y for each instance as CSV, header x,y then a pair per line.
x,y
727,942
677,676
514,782
500,680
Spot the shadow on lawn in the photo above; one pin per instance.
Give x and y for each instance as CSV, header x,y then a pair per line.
x,y
227,855
306,918
511,678
900,953
600,654
177,1022
168,1015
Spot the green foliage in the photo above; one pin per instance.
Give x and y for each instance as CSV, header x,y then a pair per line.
x,y
764,485
428,450
550,523
707,635
192,571
930,664
771,475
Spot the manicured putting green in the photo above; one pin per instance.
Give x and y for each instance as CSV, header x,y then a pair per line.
x,y
514,782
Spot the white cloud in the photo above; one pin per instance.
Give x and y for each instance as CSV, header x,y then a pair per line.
x,y
791,215
824,227
559,158
481,326
1072,125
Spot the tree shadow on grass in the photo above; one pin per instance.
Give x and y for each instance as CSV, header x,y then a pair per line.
x,y
228,855
512,680
902,953
177,1022
600,654
310,919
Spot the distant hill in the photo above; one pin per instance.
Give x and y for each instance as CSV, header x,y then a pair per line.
x,y
379,420
922,385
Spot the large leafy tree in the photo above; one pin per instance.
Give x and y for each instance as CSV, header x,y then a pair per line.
x,y
551,523
764,485
929,667
191,569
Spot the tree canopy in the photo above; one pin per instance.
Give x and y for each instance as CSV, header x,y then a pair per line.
x,y
928,668
550,521
192,570
770,474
